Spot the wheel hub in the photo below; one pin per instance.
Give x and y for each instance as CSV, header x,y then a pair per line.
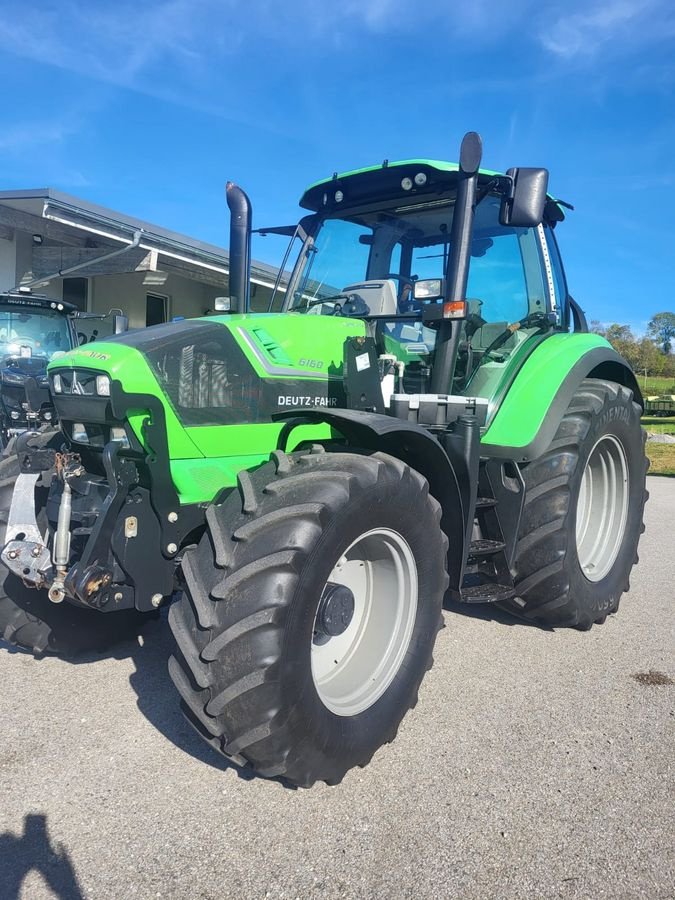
x,y
602,508
364,621
336,610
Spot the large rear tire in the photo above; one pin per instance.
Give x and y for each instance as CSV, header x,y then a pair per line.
x,y
30,620
582,518
277,667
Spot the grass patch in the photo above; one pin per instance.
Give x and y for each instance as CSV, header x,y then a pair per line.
x,y
657,384
657,425
661,458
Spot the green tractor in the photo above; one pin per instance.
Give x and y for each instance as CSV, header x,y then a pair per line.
x,y
424,417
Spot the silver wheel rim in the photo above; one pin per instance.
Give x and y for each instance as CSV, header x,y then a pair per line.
x,y
602,508
352,670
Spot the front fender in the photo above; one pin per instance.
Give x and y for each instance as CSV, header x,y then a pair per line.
x,y
532,409
410,443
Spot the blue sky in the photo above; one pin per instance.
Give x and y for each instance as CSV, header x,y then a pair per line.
x,y
150,107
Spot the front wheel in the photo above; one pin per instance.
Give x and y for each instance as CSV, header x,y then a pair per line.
x,y
582,517
310,613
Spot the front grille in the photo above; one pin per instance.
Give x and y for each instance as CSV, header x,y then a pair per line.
x,y
79,382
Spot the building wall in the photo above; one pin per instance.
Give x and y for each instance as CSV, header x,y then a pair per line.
x,y
186,297
7,264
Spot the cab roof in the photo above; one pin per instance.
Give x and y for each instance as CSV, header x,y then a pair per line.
x,y
40,301
428,177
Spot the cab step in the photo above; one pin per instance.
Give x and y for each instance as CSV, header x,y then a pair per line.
x,y
482,548
485,502
487,593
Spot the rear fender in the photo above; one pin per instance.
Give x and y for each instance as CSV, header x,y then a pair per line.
x,y
411,444
530,413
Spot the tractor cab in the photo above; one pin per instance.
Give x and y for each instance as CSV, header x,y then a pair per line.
x,y
34,330
378,246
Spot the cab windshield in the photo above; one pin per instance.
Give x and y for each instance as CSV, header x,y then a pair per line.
x,y
25,334
410,243
379,255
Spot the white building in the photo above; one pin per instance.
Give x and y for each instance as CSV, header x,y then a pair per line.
x,y
69,249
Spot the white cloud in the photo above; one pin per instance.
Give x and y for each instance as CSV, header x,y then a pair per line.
x,y
614,26
113,43
25,135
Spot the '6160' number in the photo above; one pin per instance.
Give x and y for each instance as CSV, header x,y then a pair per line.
x,y
312,363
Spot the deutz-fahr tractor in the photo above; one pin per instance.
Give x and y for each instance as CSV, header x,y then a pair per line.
x,y
424,417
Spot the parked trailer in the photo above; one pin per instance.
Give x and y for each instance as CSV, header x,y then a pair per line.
x,y
661,406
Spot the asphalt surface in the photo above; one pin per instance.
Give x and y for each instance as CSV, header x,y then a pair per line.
x,y
535,765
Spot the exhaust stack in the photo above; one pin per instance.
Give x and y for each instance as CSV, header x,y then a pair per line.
x,y
458,264
240,248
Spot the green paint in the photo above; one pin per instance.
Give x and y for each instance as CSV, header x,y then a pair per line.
x,y
205,459
529,398
311,345
128,366
248,446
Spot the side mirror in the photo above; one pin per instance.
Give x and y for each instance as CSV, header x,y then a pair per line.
x,y
429,289
120,323
525,207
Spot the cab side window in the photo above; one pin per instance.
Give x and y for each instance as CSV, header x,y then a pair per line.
x,y
505,275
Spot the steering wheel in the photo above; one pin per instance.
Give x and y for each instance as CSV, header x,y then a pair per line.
x,y
353,306
24,342
538,318
405,279
344,304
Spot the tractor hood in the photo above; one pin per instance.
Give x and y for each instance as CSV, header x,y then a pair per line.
x,y
210,372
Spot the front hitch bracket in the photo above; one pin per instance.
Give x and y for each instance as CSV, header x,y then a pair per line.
x,y
25,552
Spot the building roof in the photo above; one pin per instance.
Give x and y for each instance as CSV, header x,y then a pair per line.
x,y
110,228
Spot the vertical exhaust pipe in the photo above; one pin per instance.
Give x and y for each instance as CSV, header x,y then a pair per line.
x,y
240,248
447,344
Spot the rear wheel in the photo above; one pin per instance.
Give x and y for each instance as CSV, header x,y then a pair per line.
x,y
310,613
582,519
30,620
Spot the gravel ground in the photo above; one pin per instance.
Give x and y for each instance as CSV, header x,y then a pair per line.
x,y
535,765
655,438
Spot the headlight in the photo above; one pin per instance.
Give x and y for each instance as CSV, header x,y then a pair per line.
x,y
80,433
58,384
119,434
103,385
13,377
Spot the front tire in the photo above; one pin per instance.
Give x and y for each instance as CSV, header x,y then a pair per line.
x,y
582,517
262,675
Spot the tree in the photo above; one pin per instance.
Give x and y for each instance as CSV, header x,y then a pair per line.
x,y
661,330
